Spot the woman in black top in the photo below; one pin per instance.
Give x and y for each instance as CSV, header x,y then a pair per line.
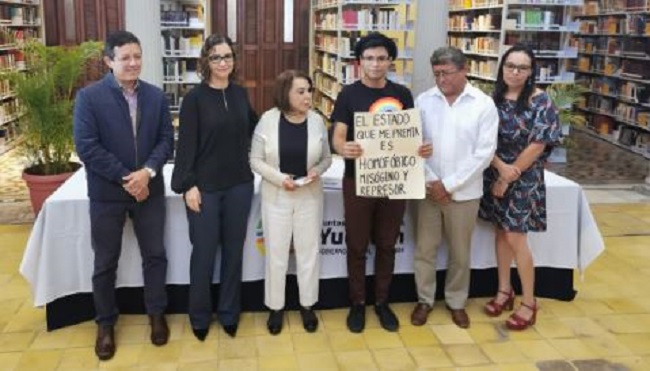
x,y
213,174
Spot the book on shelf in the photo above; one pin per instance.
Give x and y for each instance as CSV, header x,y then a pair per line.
x,y
635,69
604,85
636,47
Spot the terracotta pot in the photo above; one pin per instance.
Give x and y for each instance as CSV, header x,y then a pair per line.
x,y
42,186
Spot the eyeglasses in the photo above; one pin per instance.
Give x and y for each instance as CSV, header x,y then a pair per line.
x,y
380,59
216,58
511,67
441,74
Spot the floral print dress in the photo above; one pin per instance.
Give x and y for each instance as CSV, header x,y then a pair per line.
x,y
523,207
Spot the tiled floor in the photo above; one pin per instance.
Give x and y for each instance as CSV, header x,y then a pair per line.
x,y
607,327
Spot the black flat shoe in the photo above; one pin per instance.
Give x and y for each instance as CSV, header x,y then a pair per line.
x,y
309,319
231,330
274,324
200,333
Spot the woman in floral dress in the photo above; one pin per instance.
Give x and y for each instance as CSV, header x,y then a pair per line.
x,y
514,192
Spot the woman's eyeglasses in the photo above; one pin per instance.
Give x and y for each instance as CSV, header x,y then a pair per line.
x,y
511,67
216,58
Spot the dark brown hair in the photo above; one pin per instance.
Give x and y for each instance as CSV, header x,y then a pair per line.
x,y
204,63
283,84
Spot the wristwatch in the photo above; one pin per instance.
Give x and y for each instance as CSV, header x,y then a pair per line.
x,y
152,172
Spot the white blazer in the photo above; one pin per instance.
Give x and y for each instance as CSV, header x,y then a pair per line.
x,y
265,152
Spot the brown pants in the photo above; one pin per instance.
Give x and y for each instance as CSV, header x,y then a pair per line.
x,y
366,218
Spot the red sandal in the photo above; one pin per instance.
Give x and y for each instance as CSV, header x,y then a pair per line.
x,y
517,323
494,309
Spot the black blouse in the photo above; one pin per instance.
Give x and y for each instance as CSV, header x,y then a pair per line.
x,y
293,147
215,130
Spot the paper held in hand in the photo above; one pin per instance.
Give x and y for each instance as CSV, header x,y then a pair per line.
x,y
390,165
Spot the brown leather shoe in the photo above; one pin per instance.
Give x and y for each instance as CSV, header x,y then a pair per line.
x,y
420,314
159,329
105,343
460,317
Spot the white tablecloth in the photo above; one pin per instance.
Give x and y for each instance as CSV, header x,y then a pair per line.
x,y
58,259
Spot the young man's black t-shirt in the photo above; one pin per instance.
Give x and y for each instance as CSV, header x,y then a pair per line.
x,y
358,97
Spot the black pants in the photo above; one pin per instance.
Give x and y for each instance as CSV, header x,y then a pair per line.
x,y
107,225
222,221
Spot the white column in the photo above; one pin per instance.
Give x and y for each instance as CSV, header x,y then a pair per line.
x,y
430,34
143,20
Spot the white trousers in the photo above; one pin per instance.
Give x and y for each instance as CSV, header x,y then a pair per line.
x,y
297,214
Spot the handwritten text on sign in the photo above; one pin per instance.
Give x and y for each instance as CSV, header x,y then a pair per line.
x,y
390,166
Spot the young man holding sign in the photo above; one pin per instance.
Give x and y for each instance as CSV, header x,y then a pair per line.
x,y
370,218
461,122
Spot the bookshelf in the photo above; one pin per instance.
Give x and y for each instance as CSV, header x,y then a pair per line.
x,y
338,24
613,54
485,29
19,20
184,26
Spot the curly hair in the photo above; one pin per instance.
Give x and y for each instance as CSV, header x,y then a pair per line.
x,y
374,40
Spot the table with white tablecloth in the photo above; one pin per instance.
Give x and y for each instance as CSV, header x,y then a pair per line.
x,y
58,259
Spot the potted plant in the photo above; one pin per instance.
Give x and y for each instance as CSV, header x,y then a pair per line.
x,y
45,92
564,97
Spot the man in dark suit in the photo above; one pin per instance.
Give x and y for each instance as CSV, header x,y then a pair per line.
x,y
123,135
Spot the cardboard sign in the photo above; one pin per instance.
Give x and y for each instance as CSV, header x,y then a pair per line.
x,y
390,165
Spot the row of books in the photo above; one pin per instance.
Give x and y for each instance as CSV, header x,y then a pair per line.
x,y
5,88
632,114
469,4
543,43
615,46
326,62
180,70
344,46
371,18
483,45
182,15
471,22
17,36
324,105
326,20
8,110
175,94
327,85
19,15
8,133
12,60
626,90
630,24
533,18
483,67
182,44
595,7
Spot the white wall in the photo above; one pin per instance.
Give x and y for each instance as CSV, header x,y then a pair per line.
x,y
143,20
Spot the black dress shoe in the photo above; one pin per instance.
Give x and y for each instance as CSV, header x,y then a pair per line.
x,y
105,343
387,318
274,324
231,330
200,333
356,320
159,329
309,319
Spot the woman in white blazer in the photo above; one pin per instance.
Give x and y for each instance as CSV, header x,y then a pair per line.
x,y
290,150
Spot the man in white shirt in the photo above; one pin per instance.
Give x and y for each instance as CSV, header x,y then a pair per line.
x,y
461,122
